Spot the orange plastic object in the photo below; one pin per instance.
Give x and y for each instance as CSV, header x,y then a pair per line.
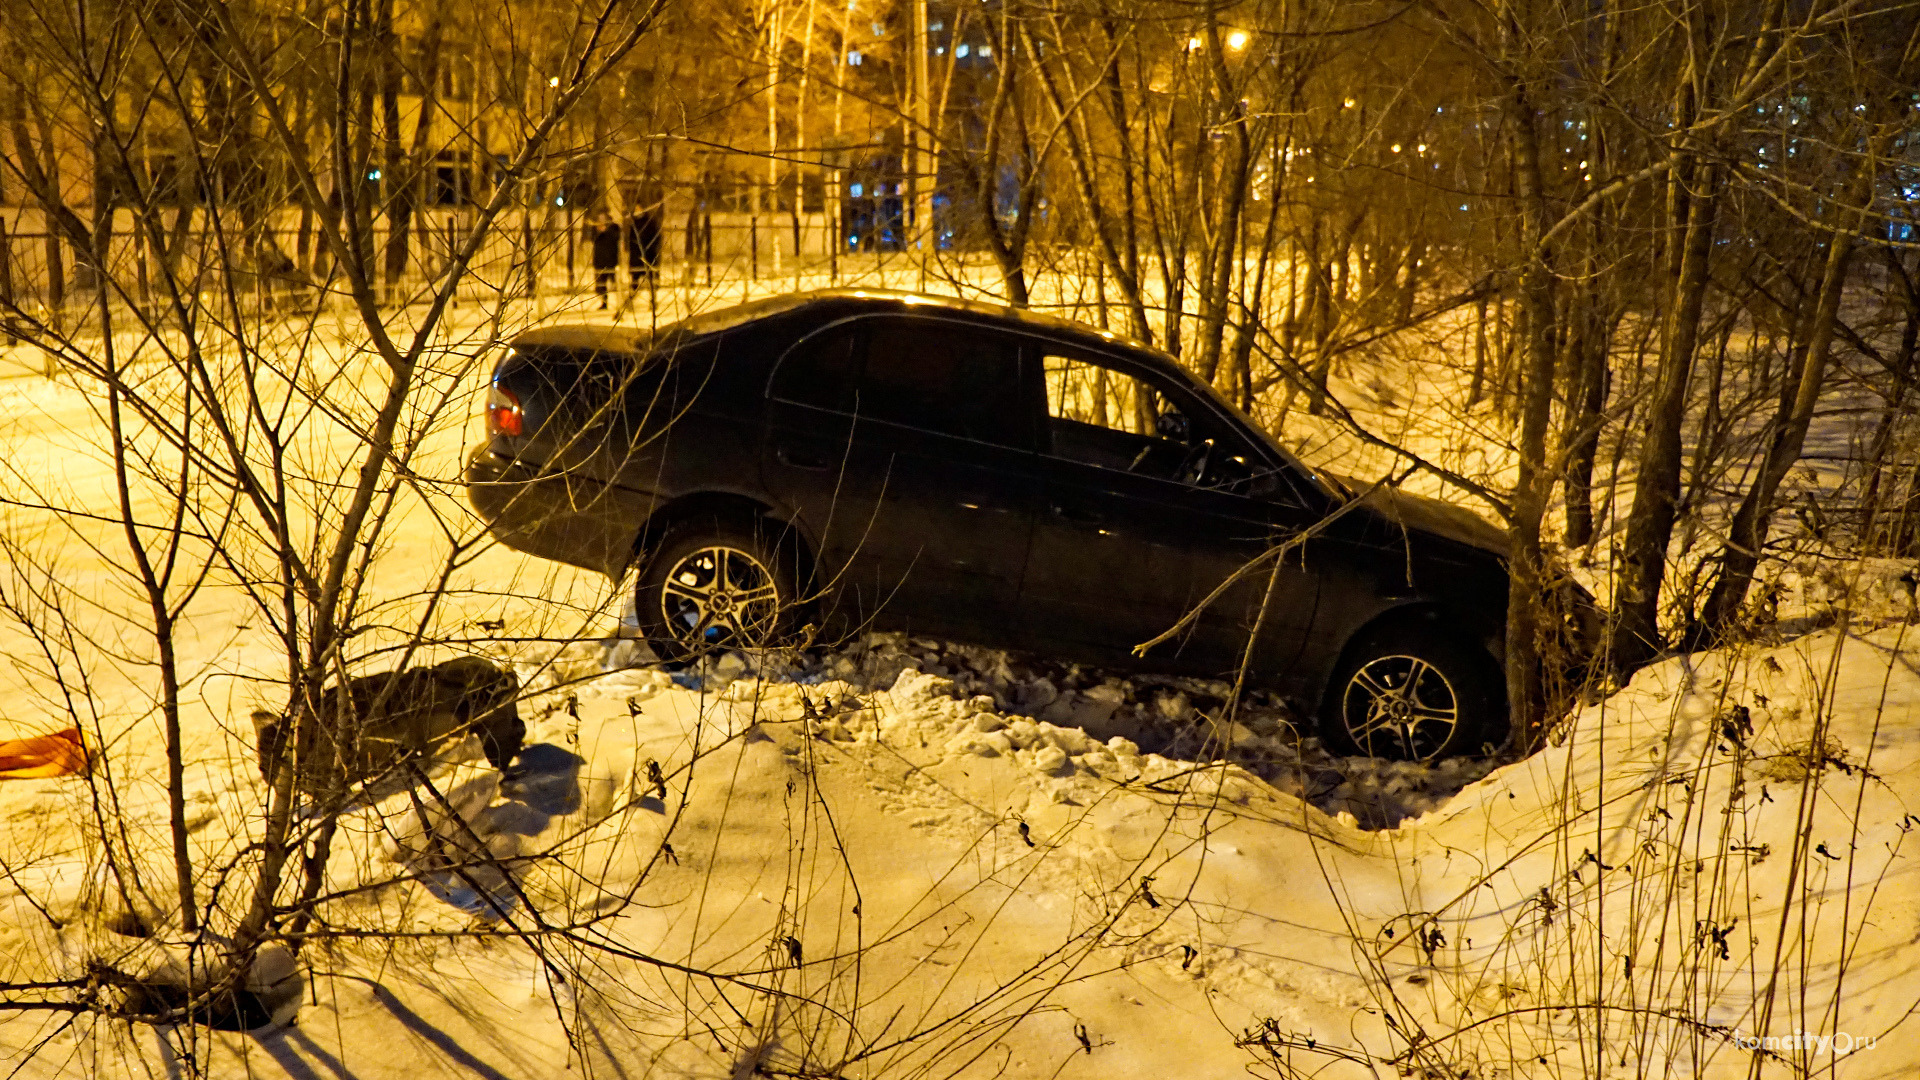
x,y
58,754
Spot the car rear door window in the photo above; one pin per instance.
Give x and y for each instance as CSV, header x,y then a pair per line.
x,y
946,377
824,370
934,375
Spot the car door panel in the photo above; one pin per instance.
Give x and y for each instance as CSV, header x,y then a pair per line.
x,y
1118,560
920,524
1123,553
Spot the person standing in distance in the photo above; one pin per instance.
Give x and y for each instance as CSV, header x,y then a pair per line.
x,y
604,234
643,242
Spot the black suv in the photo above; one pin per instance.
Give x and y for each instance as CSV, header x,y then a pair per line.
x,y
822,462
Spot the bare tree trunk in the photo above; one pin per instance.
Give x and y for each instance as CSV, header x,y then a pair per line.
x,y
406,171
1007,242
1527,569
1254,308
1127,265
1709,440
1121,254
1636,636
1747,535
1477,386
1319,318
1586,400
1216,275
43,180
1903,370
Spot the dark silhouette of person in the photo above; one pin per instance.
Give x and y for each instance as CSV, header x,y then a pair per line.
x,y
643,243
604,234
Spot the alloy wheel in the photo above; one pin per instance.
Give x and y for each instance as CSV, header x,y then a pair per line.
x,y
720,596
1400,706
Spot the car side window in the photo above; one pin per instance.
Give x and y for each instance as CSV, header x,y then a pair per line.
x,y
824,370
945,376
931,374
1101,415
1088,393
1098,415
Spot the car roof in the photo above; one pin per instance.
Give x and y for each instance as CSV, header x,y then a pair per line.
x,y
838,302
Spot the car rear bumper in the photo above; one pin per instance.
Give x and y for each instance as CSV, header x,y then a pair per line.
x,y
572,520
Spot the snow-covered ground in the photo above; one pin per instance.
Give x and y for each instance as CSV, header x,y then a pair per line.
x,y
906,858
922,880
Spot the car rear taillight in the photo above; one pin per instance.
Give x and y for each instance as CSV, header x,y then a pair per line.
x,y
503,413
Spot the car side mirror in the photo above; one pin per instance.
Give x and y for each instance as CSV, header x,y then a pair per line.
x,y
1173,424
1230,470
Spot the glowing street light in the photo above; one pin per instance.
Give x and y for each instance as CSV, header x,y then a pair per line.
x,y
1237,40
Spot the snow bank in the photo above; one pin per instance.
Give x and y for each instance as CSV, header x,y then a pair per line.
x,y
869,859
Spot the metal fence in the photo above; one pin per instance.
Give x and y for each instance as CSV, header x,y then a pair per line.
x,y
522,254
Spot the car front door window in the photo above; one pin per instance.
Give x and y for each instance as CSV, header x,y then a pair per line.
x,y
1103,416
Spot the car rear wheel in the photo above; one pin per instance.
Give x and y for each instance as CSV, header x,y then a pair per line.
x,y
1409,695
716,585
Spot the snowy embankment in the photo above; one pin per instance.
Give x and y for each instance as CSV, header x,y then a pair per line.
x,y
914,871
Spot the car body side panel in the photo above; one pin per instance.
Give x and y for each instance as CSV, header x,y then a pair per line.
x,y
915,526
1369,568
911,528
614,441
1119,559
570,520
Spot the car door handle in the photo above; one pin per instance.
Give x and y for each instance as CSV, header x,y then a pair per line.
x,y
800,459
1076,514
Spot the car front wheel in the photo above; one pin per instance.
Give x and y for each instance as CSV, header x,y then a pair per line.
x,y
716,585
1413,696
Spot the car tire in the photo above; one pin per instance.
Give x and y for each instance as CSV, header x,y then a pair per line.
x,y
715,585
1409,694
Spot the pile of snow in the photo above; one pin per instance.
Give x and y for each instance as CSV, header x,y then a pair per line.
x,y
1180,718
1817,588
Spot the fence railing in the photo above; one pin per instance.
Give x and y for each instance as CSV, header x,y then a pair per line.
x,y
523,253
